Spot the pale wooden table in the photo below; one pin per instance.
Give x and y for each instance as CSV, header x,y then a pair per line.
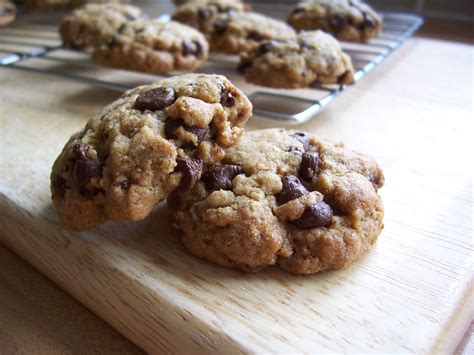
x,y
425,90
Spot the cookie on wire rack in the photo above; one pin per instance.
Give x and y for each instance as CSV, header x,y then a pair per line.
x,y
85,27
348,20
153,46
311,57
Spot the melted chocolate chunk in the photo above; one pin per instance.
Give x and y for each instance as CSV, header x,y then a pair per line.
x,y
124,185
303,138
292,189
227,99
338,22
254,35
112,41
369,21
84,168
309,165
220,177
59,185
155,99
191,48
170,131
220,26
265,47
243,66
316,216
204,13
191,171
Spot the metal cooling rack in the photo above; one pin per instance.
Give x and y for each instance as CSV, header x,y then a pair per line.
x,y
398,27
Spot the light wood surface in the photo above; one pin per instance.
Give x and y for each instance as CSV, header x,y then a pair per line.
x,y
412,293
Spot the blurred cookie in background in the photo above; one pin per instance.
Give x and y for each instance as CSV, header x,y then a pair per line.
x,y
7,12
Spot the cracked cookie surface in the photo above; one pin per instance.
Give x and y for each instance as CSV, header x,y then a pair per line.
x,y
347,20
200,14
153,46
313,56
84,27
283,198
243,31
153,140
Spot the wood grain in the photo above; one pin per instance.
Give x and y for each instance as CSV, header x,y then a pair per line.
x,y
412,293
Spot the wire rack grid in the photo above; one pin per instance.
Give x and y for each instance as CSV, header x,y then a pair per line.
x,y
398,27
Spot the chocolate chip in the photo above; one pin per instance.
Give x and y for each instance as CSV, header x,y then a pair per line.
x,y
220,26
254,35
316,216
124,185
292,189
338,22
190,169
243,66
155,99
121,28
111,42
265,47
204,13
84,168
170,131
309,165
191,48
227,99
220,177
298,10
89,192
302,138
59,185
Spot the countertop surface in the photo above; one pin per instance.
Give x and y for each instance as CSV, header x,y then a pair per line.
x,y
38,317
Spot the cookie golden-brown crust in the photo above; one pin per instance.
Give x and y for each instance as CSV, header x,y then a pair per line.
x,y
88,25
348,20
7,12
200,14
283,198
243,31
140,148
153,46
313,56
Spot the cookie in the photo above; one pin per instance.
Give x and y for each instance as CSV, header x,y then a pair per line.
x,y
153,140
347,20
313,56
200,14
85,26
243,31
153,46
7,12
283,198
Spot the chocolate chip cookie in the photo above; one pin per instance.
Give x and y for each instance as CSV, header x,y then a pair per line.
x,y
348,20
153,46
283,198
153,140
311,57
86,26
7,12
243,31
201,14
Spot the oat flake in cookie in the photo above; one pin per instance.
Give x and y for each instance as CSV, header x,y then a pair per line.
x,y
153,46
313,56
153,140
283,198
87,25
347,20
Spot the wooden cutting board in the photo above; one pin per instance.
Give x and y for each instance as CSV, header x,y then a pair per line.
x,y
411,293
